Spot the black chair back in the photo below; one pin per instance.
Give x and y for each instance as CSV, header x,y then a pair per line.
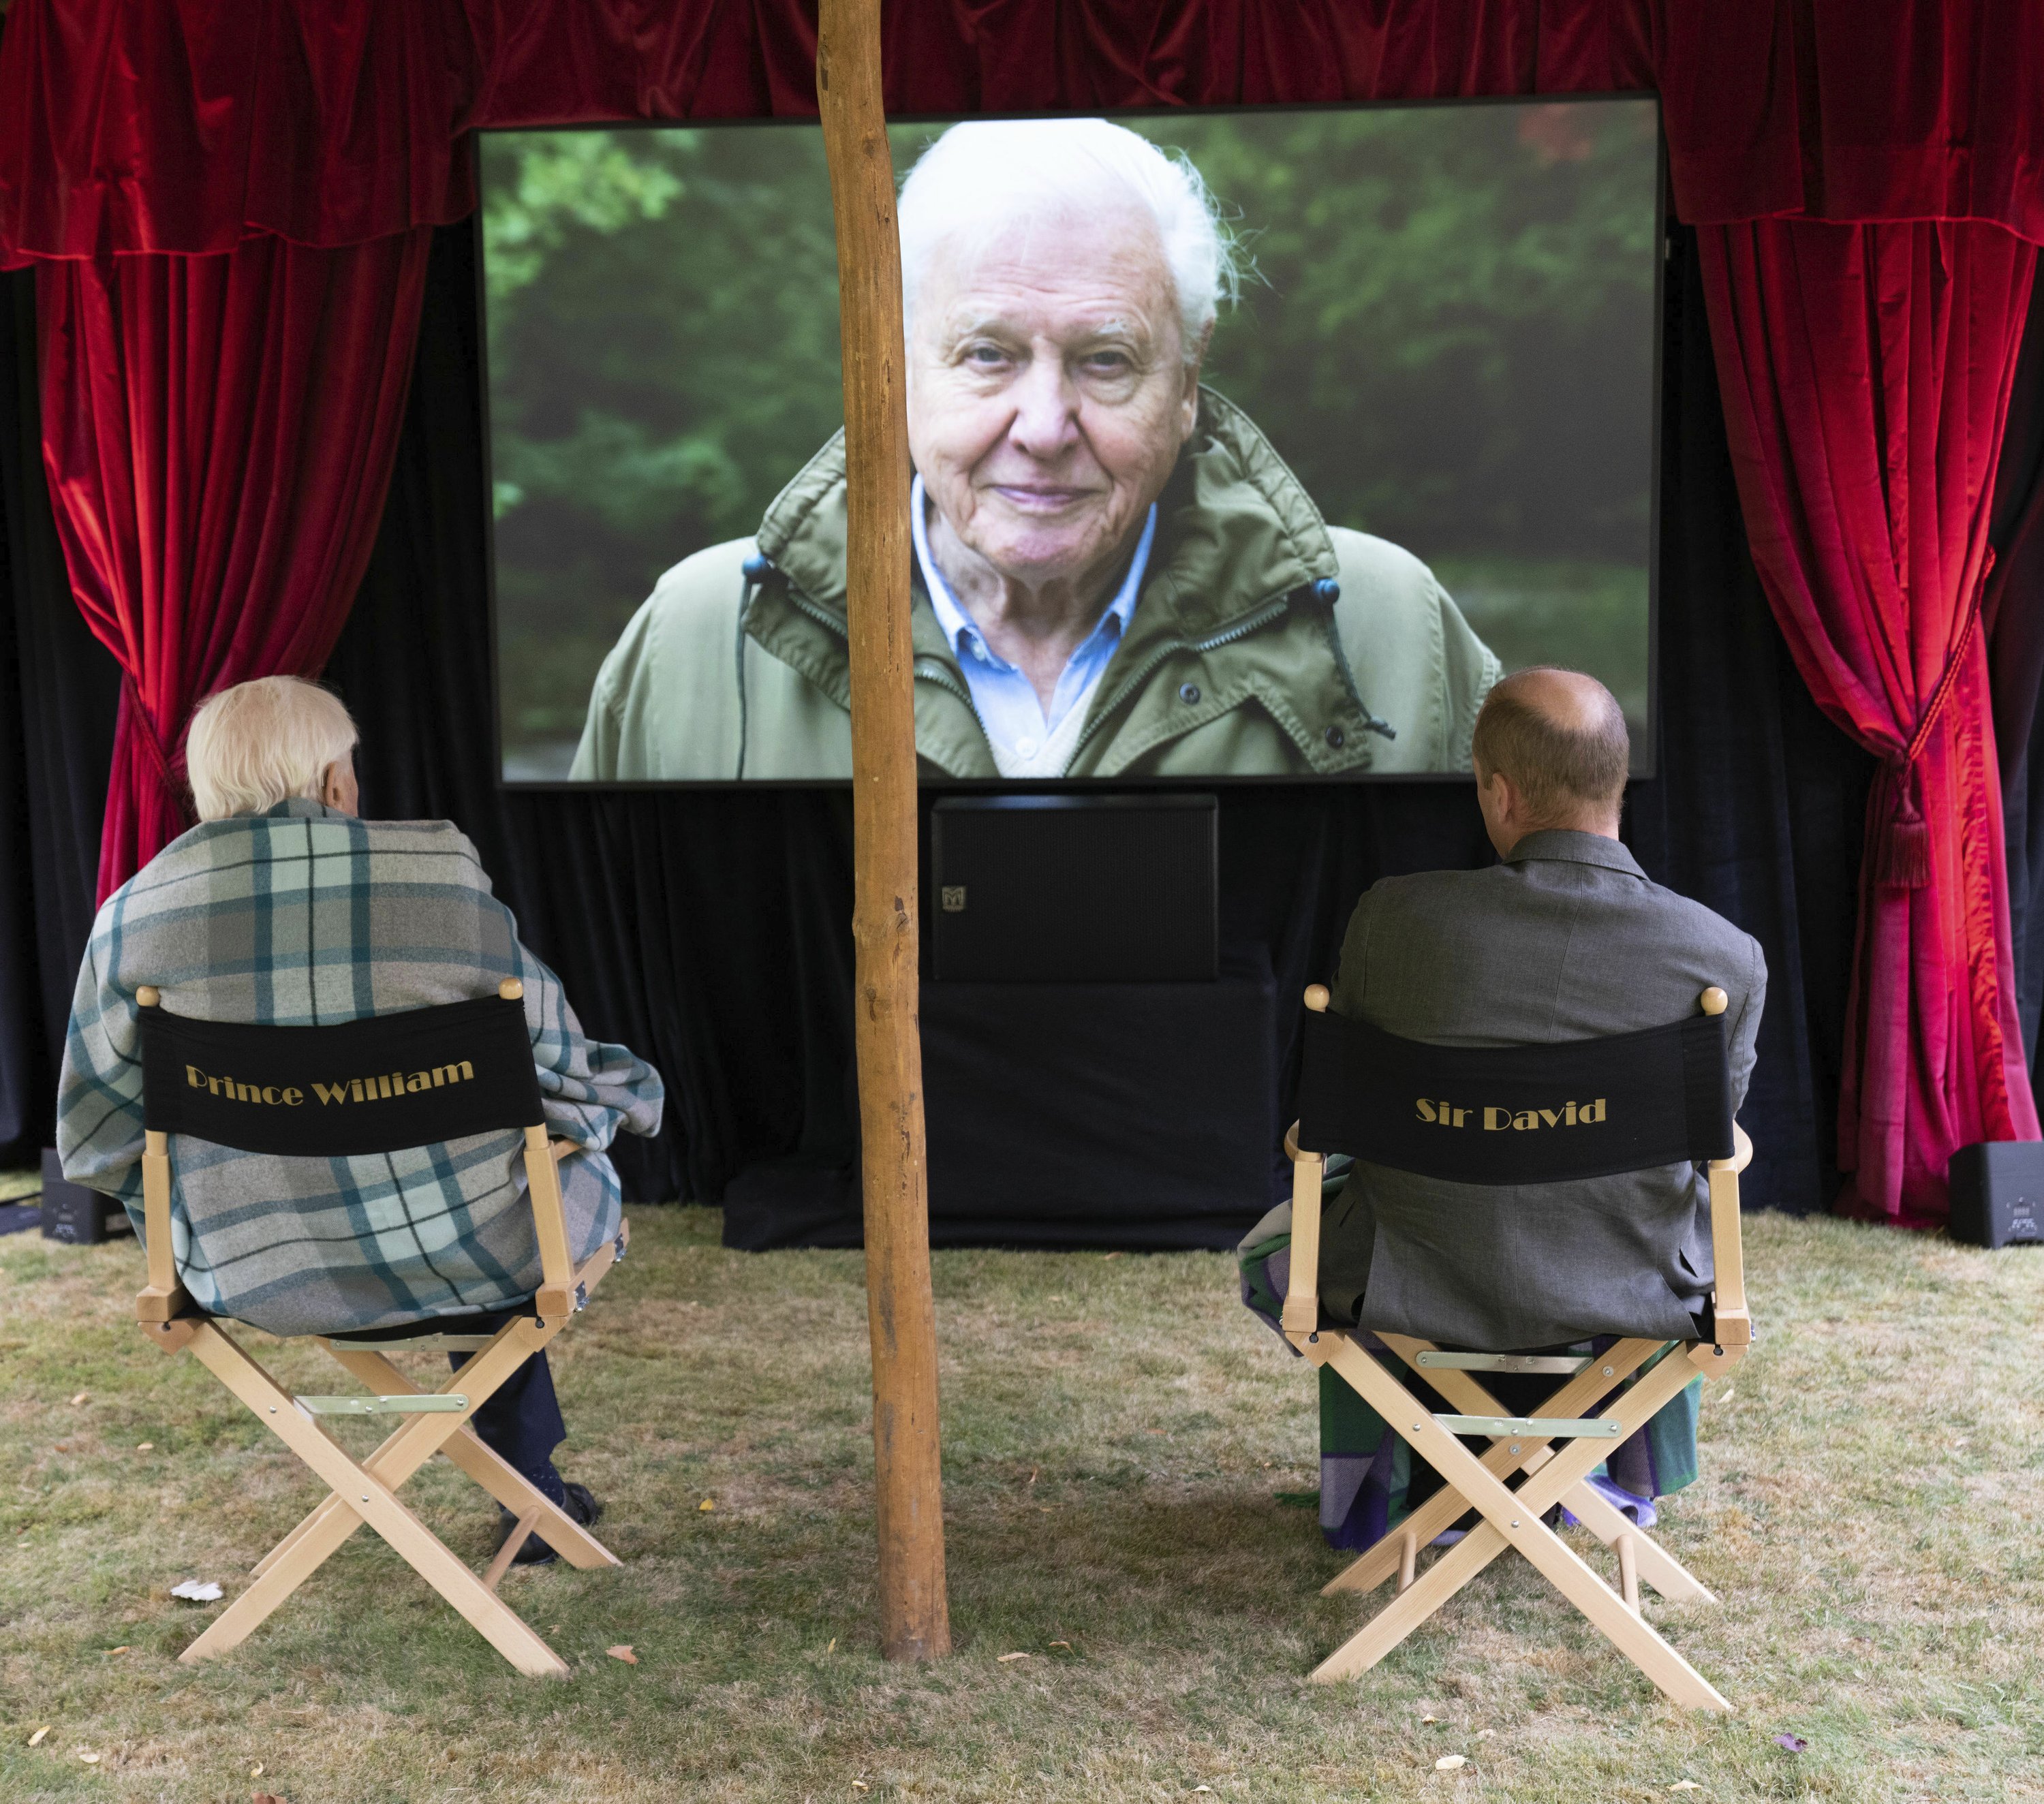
x,y
1517,1115
379,1084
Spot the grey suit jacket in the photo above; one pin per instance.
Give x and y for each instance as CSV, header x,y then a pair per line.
x,y
1565,940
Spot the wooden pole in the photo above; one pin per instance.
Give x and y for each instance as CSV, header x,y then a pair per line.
x,y
914,1622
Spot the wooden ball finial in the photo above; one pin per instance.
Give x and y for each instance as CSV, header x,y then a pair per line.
x,y
148,995
1317,997
511,990
1715,1000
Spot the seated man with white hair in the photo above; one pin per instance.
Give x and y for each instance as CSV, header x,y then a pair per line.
x,y
1115,573
281,907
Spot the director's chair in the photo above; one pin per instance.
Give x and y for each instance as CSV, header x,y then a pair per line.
x,y
1666,1099
476,1059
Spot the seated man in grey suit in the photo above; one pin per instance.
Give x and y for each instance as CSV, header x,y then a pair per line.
x,y
1565,939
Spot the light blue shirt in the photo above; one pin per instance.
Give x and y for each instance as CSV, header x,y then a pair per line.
x,y
1026,737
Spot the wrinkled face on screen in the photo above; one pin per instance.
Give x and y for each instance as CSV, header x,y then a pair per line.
x,y
1252,446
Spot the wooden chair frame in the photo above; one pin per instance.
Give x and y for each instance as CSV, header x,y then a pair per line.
x,y
1556,1467
434,1420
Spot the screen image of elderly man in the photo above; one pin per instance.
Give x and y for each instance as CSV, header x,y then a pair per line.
x,y
281,907
1114,573
1564,938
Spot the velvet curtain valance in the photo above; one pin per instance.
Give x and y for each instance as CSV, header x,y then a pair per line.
x,y
181,125
141,136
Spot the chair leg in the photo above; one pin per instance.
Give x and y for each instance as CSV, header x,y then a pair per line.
x,y
361,1494
1440,1511
1514,1519
560,1531
492,1575
1654,1563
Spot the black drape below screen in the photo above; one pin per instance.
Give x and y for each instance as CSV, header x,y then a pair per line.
x,y
710,931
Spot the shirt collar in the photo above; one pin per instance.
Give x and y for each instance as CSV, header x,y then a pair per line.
x,y
1572,847
956,622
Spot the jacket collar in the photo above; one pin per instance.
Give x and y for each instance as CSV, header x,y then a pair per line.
x,y
1569,846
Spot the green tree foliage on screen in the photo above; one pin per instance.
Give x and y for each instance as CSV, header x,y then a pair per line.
x,y
1446,332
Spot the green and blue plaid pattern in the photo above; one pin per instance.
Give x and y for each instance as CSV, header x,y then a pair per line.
x,y
302,917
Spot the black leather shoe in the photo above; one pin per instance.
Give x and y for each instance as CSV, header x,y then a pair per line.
x,y
580,1507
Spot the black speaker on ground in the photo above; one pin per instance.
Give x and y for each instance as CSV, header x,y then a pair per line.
x,y
1074,890
1998,1192
72,1213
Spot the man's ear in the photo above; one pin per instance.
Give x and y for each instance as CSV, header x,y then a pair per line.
x,y
1189,401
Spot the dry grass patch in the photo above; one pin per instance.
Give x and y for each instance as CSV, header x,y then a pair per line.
x,y
1116,1431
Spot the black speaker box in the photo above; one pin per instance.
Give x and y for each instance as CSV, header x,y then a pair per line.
x,y
1998,1192
72,1213
1074,889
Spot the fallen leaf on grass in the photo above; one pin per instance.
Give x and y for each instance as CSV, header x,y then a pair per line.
x,y
1686,1785
1448,1763
88,1756
145,1446
1066,1645
832,1648
197,1591
1795,1744
124,1648
707,1503
860,1785
83,1397
1481,1732
623,1651
255,1772
1007,1657
1114,1256
1427,1719
35,1740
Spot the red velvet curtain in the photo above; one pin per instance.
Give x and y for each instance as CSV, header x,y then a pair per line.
x,y
217,432
1865,373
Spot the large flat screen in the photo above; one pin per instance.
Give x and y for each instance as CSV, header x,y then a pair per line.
x,y
1247,446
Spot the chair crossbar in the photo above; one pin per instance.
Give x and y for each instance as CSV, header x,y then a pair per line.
x,y
1563,1364
1536,1427
422,1403
413,1343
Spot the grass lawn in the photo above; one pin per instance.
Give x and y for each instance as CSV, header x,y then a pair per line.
x,y
1117,1430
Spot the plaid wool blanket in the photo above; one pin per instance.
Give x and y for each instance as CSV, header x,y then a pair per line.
x,y
303,916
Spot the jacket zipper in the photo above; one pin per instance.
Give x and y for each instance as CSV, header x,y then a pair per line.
x,y
823,618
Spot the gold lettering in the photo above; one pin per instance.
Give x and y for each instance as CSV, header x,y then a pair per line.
x,y
1461,1116
246,1093
337,1093
454,1073
269,1093
1593,1112
1494,1120
1426,1110
1525,1119
294,1096
1569,1114
419,1080
195,1077
1552,1117
354,1090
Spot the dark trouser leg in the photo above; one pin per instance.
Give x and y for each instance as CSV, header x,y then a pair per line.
x,y
522,1424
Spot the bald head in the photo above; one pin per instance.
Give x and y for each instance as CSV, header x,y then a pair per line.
x,y
1551,750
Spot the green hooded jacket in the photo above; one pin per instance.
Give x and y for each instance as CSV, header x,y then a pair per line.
x,y
1264,642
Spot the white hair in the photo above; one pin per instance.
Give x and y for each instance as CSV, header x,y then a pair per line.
x,y
982,175
263,742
